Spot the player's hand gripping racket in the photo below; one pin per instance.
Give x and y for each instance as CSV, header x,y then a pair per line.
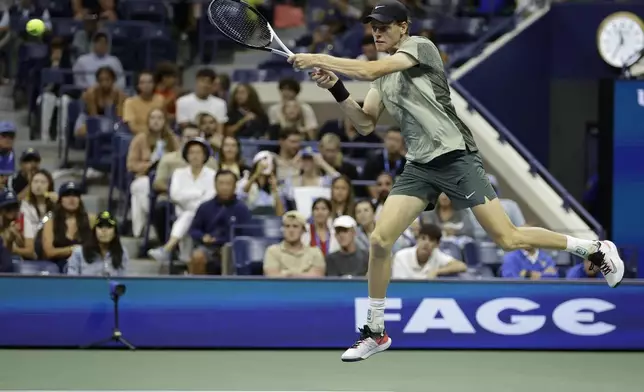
x,y
242,23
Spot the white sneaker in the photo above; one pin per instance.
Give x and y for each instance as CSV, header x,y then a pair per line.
x,y
370,343
160,255
609,263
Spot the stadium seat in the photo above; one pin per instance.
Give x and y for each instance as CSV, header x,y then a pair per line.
x,y
42,267
260,226
120,178
459,30
98,145
66,27
471,254
452,249
248,253
144,10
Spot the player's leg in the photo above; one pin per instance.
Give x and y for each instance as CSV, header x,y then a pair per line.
x,y
405,203
473,190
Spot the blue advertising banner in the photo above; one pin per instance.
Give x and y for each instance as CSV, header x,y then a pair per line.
x,y
258,313
628,165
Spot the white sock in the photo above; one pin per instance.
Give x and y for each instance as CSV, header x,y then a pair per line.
x,y
376,314
581,248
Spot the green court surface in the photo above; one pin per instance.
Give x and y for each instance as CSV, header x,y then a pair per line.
x,y
393,371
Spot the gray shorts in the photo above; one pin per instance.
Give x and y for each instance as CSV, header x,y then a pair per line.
x,y
459,174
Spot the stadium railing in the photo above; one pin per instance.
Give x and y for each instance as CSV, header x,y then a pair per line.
x,y
536,168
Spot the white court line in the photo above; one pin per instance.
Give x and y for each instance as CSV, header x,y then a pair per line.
x,y
144,390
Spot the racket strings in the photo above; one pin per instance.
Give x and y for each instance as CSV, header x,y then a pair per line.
x,y
239,22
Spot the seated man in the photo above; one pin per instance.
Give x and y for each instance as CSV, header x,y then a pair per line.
x,y
211,226
530,264
425,260
29,164
291,258
585,270
349,260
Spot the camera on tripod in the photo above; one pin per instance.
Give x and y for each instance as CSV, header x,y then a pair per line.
x,y
117,290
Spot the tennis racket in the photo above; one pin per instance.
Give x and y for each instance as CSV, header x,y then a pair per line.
x,y
242,23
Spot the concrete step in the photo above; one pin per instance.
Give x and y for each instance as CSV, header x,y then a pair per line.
x,y
6,90
143,267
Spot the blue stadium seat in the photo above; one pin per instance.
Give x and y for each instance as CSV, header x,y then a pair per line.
x,y
144,10
260,226
245,76
471,254
248,251
42,267
459,30
452,249
66,27
98,145
58,8
120,178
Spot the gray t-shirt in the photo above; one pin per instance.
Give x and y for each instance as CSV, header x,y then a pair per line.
x,y
340,263
419,99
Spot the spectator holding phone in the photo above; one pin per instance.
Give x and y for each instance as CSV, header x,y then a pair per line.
x,y
40,201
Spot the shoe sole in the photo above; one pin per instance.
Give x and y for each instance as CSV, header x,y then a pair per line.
x,y
611,244
379,349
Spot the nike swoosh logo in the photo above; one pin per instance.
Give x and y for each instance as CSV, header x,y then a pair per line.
x,y
470,195
378,6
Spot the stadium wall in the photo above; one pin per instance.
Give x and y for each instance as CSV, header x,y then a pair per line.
x,y
273,313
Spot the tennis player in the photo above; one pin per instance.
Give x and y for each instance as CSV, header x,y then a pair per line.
x,y
442,157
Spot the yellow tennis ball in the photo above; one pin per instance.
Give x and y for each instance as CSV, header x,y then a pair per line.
x,y
36,27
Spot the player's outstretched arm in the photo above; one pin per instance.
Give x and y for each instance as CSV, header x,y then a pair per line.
x,y
355,69
364,118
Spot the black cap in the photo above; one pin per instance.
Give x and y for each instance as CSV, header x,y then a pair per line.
x,y
30,154
8,198
69,188
388,11
200,141
105,219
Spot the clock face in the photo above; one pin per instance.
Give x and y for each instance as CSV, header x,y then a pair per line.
x,y
620,38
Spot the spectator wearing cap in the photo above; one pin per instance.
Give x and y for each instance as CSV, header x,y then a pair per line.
x,y
260,190
211,226
68,227
190,186
289,89
145,152
86,66
510,206
425,260
102,254
36,207
291,257
7,158
313,165
10,227
349,260
29,164
168,164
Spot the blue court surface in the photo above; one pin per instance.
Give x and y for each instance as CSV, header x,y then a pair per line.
x,y
320,371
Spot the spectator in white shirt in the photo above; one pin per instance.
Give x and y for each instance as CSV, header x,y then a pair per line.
x,y
369,52
190,106
425,261
289,90
40,200
189,187
85,67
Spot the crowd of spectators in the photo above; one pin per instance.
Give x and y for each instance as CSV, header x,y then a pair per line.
x,y
189,165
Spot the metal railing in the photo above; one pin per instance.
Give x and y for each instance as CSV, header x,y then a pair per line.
x,y
505,136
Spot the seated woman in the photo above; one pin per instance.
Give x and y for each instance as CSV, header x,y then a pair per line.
x,y
40,201
68,227
246,116
103,254
103,99
189,187
320,233
230,157
312,164
259,188
365,213
146,150
209,128
453,223
341,197
10,230
291,117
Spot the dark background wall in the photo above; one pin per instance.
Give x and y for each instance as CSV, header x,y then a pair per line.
x,y
543,86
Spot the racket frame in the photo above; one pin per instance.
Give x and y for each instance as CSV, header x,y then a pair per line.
x,y
286,52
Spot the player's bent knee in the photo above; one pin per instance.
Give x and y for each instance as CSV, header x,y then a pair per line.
x,y
380,246
508,240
